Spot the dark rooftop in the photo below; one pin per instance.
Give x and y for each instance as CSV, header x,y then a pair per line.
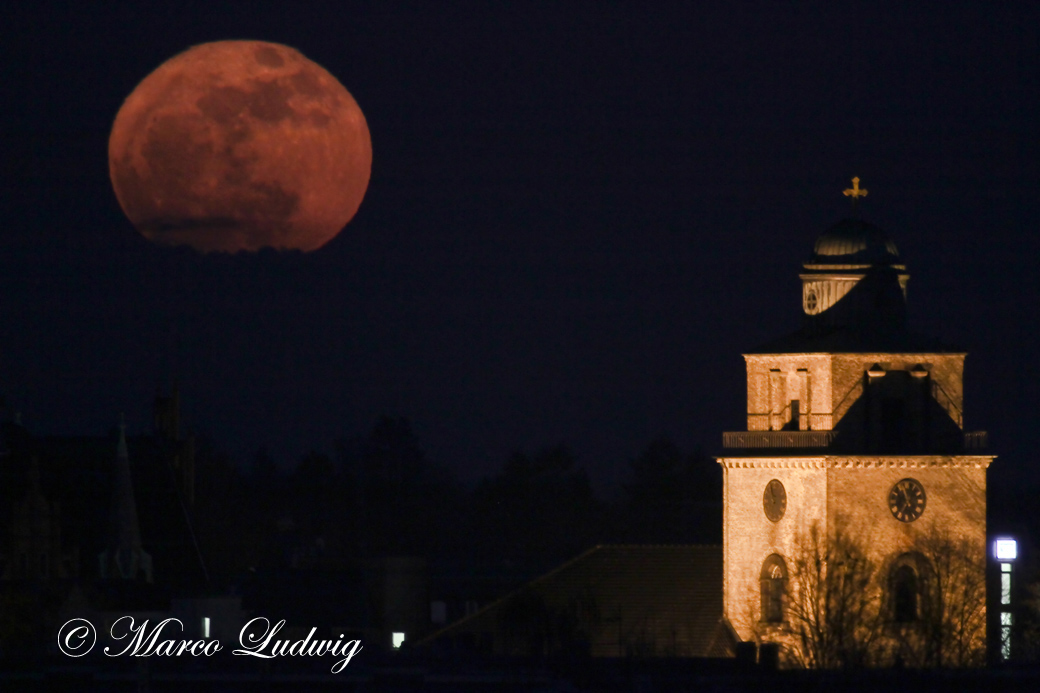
x,y
816,338
617,600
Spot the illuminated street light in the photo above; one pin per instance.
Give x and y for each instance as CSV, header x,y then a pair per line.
x,y
1006,550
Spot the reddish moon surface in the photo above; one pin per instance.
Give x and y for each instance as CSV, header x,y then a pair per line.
x,y
240,145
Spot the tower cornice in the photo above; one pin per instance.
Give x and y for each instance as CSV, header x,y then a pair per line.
x,y
860,462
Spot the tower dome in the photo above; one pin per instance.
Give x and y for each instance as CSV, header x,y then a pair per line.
x,y
854,274
854,242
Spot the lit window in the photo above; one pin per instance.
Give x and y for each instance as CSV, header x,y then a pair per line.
x,y
397,639
1005,567
205,626
1005,588
1005,635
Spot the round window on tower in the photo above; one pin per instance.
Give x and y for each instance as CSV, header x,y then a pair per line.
x,y
810,301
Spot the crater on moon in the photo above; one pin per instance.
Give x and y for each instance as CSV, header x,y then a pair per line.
x,y
240,145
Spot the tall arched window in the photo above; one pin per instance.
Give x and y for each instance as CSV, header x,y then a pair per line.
x,y
908,588
905,594
774,585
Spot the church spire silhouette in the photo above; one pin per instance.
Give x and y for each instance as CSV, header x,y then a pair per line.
x,y
124,556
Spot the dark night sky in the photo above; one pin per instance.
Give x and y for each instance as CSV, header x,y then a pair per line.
x,y
580,215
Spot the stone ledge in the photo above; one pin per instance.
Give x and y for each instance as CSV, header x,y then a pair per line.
x,y
860,462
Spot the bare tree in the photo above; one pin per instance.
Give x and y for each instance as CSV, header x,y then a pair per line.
x,y
1028,644
843,609
833,610
951,629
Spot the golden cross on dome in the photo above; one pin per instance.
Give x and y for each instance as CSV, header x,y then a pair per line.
x,y
855,192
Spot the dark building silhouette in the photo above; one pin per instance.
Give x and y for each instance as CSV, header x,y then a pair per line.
x,y
611,601
107,517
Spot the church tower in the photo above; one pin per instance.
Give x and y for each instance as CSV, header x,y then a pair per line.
x,y
854,505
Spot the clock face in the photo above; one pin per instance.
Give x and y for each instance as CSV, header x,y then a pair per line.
x,y
774,500
906,500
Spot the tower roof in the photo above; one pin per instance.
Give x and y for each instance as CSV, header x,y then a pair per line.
x,y
854,242
843,339
854,297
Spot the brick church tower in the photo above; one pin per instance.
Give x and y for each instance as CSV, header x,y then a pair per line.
x,y
855,489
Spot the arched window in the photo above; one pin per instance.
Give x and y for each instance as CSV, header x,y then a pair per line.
x,y
774,585
907,585
905,594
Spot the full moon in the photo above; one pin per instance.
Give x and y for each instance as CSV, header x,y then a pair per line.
x,y
240,145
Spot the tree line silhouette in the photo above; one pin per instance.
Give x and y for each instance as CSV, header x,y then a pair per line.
x,y
379,494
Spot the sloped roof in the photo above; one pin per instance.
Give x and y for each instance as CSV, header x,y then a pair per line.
x,y
616,600
825,339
